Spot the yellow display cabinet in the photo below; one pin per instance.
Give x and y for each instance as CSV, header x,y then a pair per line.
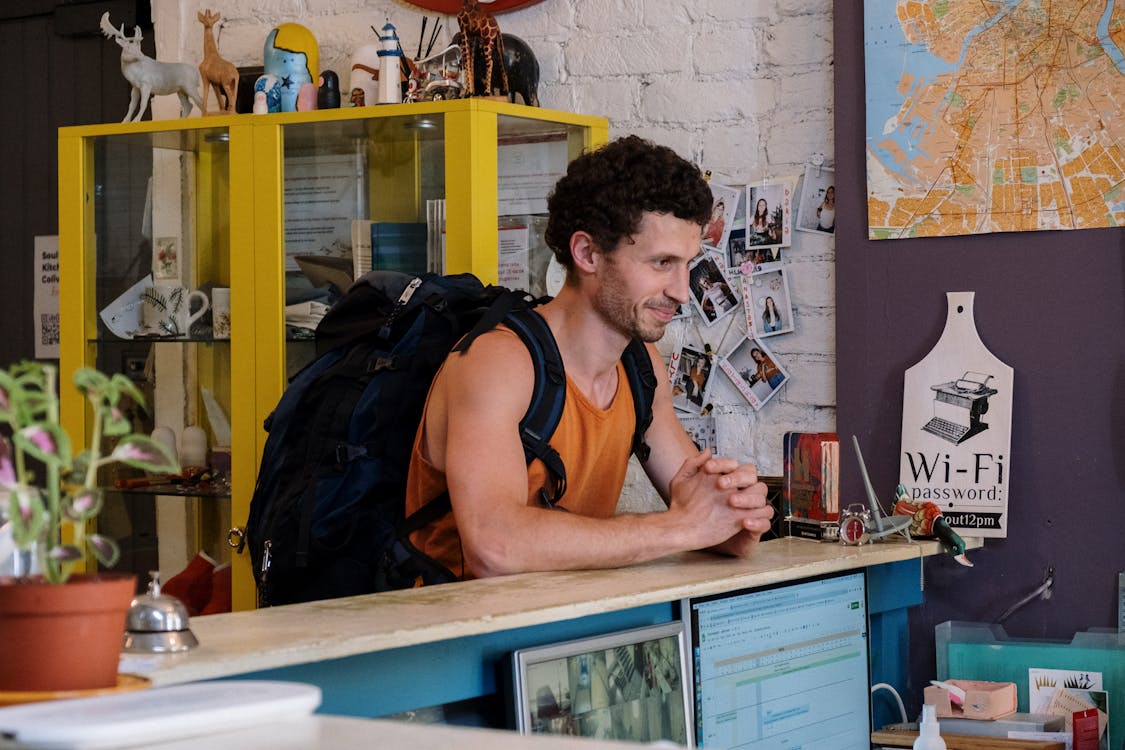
x,y
272,207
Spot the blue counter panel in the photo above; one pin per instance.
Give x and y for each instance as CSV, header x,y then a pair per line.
x,y
372,685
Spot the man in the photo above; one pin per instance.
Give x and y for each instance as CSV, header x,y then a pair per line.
x,y
625,221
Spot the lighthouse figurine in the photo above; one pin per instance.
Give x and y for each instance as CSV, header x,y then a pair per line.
x,y
390,66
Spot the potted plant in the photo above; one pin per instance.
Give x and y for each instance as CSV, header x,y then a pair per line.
x,y
49,496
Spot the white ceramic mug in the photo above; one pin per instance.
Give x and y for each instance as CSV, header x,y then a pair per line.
x,y
220,312
166,310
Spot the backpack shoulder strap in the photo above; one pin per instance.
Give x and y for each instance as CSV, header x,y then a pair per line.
x,y
642,382
547,398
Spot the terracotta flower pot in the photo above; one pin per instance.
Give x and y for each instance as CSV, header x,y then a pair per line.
x,y
62,637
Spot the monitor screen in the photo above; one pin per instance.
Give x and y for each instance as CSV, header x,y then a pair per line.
x,y
784,665
628,685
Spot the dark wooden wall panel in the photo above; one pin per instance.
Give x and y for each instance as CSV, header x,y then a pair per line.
x,y
50,80
1051,305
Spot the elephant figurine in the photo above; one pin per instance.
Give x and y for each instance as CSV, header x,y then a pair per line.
x,y
523,70
522,67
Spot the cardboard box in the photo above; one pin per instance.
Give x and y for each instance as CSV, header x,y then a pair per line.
x,y
983,700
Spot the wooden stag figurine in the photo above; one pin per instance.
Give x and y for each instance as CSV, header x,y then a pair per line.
x,y
219,75
480,30
150,77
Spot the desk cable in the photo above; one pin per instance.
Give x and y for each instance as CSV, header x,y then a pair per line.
x,y
898,699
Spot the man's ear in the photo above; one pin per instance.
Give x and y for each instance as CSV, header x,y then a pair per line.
x,y
584,251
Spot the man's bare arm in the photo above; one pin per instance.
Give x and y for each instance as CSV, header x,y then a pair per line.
x,y
671,446
484,394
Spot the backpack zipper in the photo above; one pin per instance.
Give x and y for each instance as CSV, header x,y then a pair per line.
x,y
265,570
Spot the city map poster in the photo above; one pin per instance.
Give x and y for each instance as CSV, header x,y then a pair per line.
x,y
993,117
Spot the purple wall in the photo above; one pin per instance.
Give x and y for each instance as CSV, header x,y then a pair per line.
x,y
1051,305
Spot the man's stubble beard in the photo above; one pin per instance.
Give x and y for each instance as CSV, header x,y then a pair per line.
x,y
621,313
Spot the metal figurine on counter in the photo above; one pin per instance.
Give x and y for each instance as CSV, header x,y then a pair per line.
x,y
857,525
149,77
219,75
926,520
436,77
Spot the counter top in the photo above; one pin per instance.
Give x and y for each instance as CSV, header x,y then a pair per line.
x,y
336,732
242,642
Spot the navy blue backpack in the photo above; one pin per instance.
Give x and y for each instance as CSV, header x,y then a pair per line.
x,y
327,515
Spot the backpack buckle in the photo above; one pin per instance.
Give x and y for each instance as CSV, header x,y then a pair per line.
x,y
383,363
345,452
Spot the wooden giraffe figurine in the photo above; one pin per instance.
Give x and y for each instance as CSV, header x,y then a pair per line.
x,y
480,30
219,75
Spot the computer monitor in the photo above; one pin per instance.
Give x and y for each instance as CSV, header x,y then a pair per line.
x,y
784,665
627,685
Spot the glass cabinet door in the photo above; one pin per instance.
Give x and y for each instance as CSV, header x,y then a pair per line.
x,y
445,187
145,244
448,187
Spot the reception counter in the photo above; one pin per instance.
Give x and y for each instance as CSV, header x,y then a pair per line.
x,y
385,653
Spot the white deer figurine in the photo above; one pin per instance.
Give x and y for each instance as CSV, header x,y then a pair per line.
x,y
149,77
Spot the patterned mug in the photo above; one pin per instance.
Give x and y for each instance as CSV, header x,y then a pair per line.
x,y
166,310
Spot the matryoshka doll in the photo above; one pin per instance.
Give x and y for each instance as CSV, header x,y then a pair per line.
x,y
292,57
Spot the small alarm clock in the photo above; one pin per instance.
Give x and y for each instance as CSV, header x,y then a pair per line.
x,y
854,521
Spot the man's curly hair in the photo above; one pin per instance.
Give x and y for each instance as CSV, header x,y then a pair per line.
x,y
605,193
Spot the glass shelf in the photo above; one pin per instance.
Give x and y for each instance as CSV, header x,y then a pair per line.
x,y
173,489
157,340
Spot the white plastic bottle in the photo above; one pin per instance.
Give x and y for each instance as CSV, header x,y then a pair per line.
x,y
929,738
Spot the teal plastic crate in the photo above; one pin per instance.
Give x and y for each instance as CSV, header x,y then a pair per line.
x,y
982,651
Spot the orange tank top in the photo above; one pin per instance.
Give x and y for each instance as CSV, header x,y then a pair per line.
x,y
594,444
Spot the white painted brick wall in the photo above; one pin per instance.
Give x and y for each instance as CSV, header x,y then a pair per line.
x,y
741,87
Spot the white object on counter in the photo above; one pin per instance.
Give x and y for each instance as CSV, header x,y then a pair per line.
x,y
145,717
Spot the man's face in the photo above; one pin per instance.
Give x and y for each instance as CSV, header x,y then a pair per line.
x,y
645,279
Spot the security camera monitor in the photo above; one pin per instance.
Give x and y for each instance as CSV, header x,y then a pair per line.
x,y
628,685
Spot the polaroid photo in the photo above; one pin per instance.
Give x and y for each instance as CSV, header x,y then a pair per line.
x,y
754,370
769,308
701,430
769,209
739,257
712,292
816,210
691,372
723,208
763,259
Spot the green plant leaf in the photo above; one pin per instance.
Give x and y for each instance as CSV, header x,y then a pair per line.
x,y
65,553
8,396
7,469
116,423
84,505
145,453
77,473
45,441
127,387
90,382
105,549
34,405
28,514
